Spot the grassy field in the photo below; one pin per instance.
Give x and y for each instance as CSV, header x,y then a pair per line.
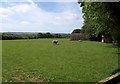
x,y
70,61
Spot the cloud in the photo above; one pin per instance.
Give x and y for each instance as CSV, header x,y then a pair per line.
x,y
7,12
25,22
21,8
30,17
13,8
4,13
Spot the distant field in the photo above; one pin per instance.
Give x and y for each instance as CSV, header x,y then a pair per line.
x,y
70,61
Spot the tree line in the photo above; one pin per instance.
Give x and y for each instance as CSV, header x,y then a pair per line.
x,y
13,36
101,18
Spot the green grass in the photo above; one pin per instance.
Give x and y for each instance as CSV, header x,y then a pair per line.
x,y
70,61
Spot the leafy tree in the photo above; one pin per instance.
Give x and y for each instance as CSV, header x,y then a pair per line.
x,y
40,35
13,36
101,19
57,36
9,36
76,31
49,35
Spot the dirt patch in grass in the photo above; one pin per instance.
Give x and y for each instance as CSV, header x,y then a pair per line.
x,y
26,78
33,79
18,79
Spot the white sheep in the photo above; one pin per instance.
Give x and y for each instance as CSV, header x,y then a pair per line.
x,y
55,41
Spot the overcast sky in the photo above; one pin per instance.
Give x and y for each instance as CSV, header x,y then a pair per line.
x,y
29,16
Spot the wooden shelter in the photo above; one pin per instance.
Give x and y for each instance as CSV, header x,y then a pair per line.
x,y
79,36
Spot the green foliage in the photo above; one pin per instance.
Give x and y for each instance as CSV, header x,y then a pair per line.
x,y
40,35
101,18
45,35
96,18
70,61
57,35
49,35
13,36
76,31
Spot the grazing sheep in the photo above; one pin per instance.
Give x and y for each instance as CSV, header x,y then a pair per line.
x,y
55,41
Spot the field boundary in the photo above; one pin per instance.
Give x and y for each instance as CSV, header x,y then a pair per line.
x,y
111,80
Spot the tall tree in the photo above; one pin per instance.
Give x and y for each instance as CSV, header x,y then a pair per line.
x,y
101,18
76,31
